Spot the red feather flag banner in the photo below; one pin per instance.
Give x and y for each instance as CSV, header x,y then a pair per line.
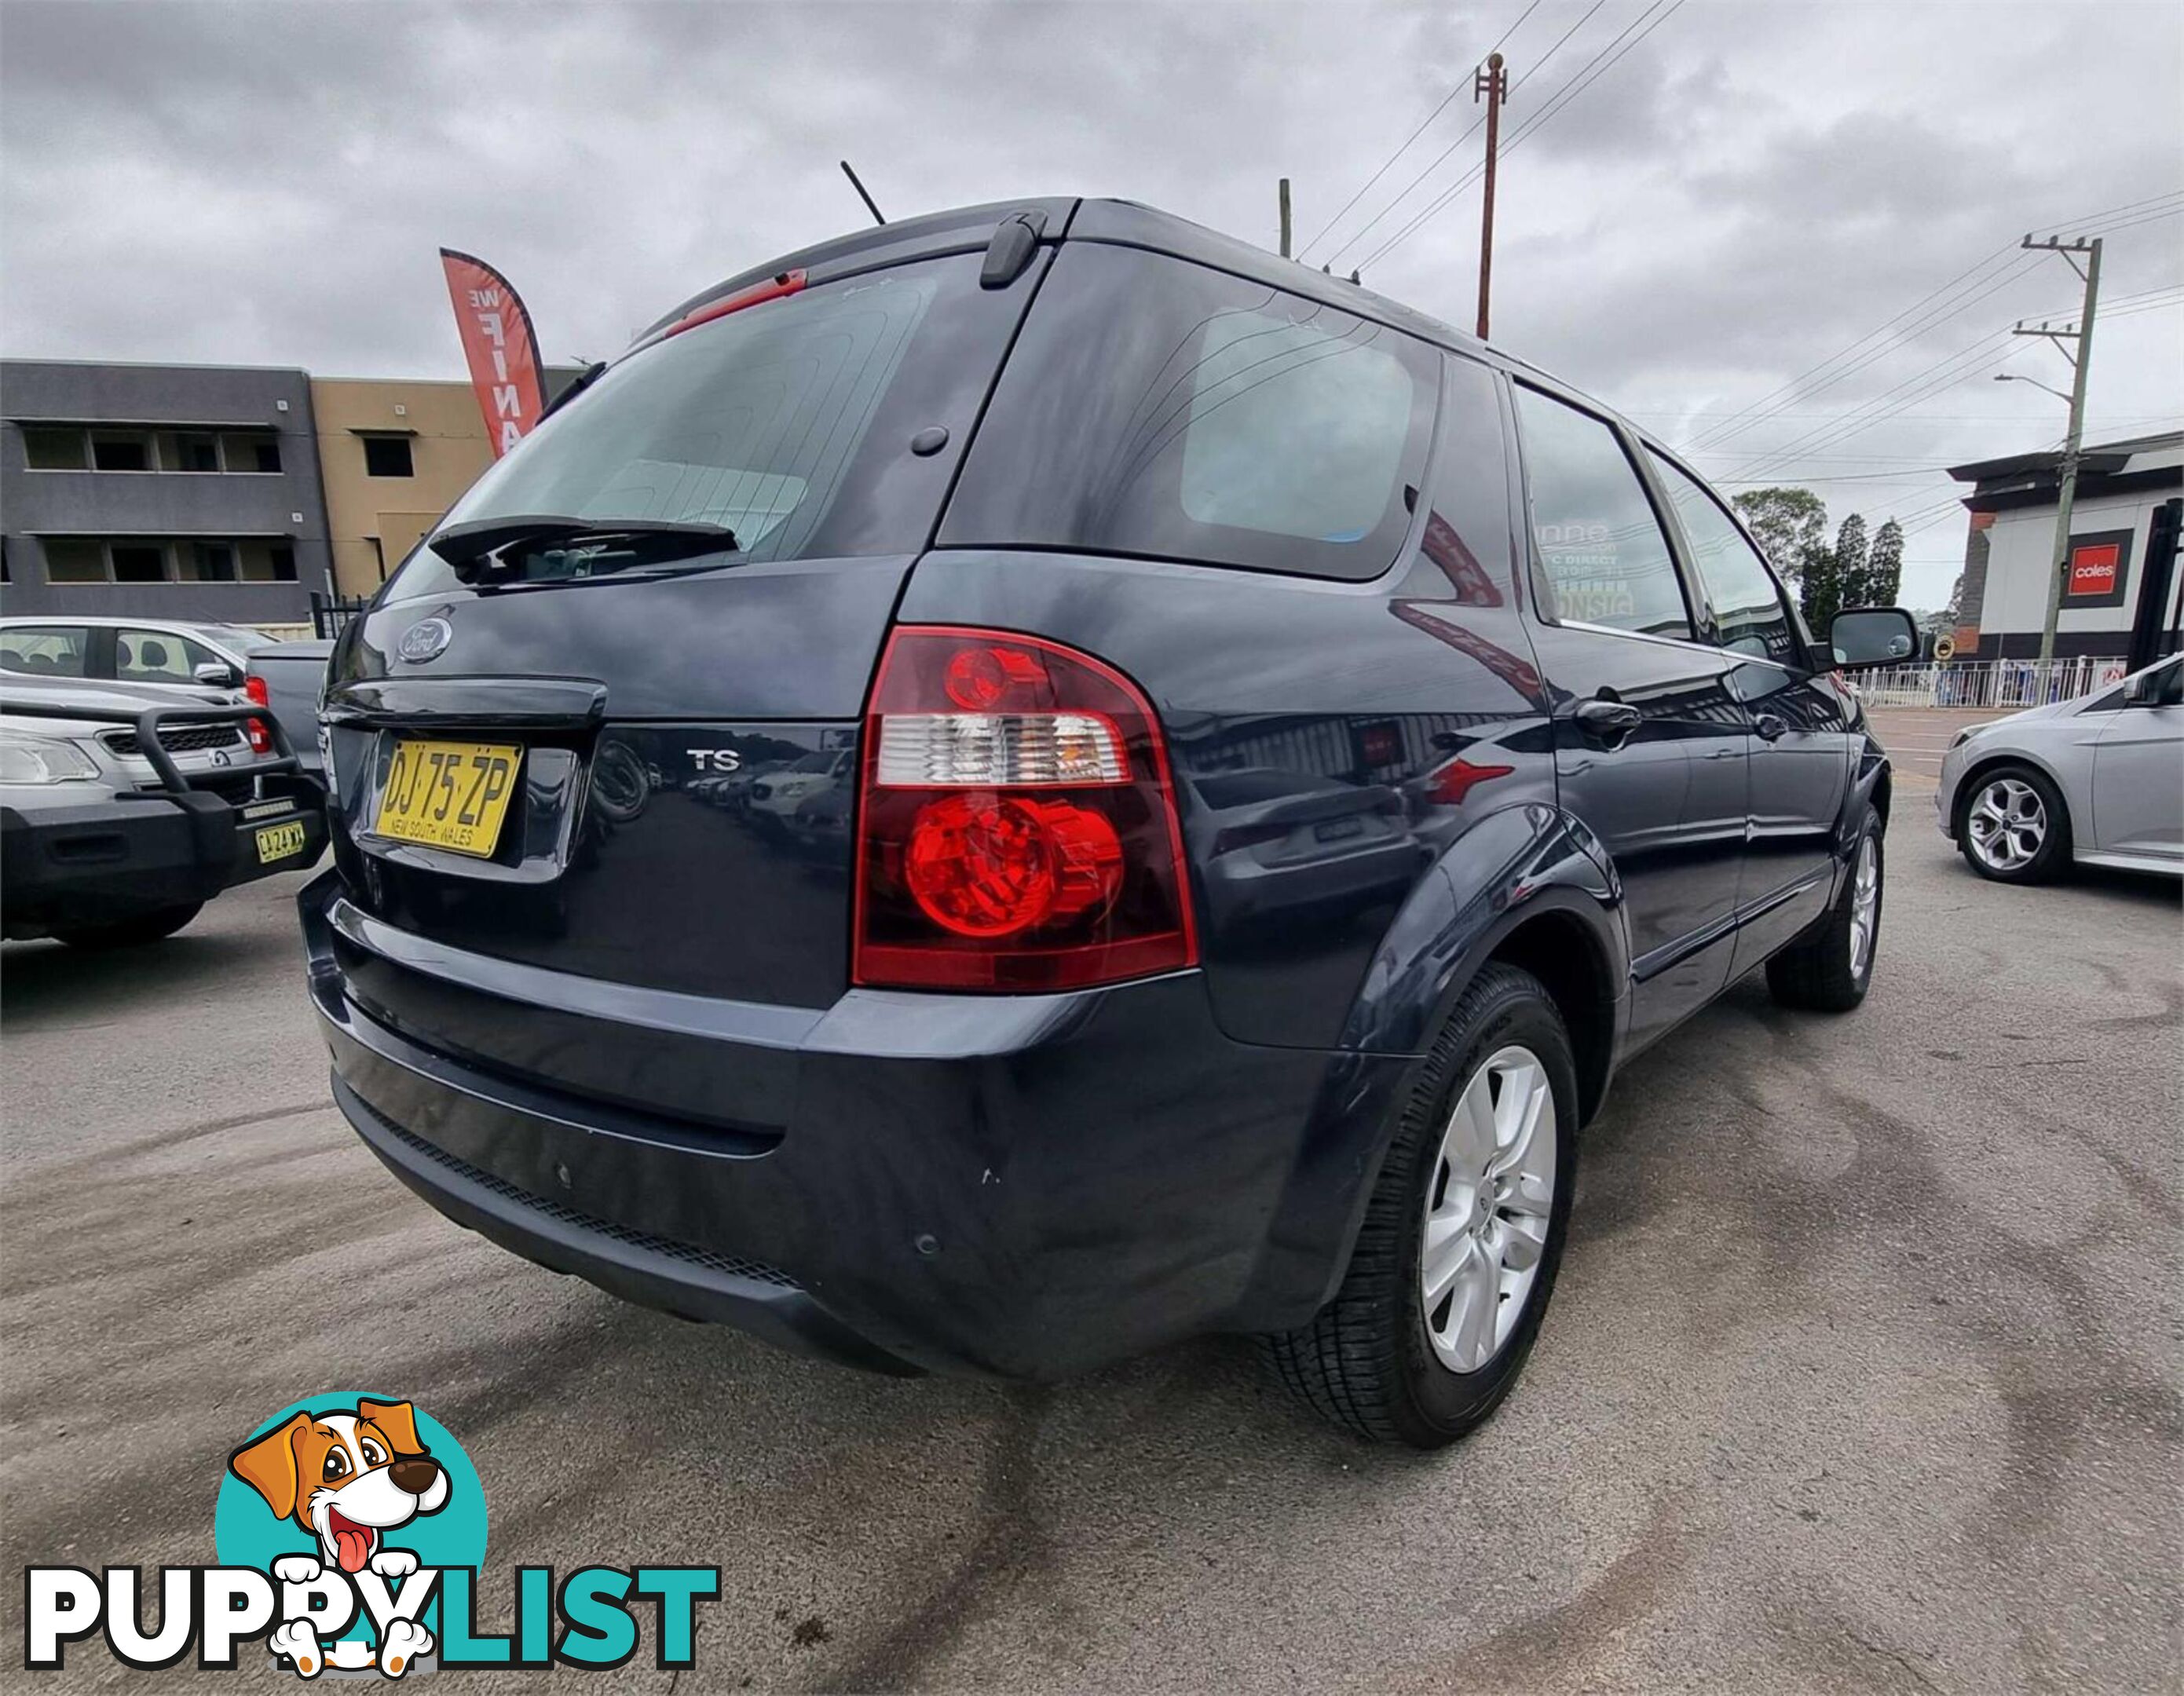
x,y
501,346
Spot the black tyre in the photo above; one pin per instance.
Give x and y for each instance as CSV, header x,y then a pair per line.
x,y
1456,1257
1830,969
130,933
2013,826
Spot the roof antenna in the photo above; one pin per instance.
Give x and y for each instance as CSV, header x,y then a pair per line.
x,y
861,195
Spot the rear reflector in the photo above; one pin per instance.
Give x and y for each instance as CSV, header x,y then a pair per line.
x,y
1017,827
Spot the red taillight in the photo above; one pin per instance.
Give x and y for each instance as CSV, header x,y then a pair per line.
x,y
261,739
1016,826
1453,781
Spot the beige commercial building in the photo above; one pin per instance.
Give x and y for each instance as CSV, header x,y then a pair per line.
x,y
393,456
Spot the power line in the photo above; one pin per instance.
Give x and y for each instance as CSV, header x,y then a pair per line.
x,y
1944,374
1909,417
1907,475
1477,124
2150,300
1994,348
1595,68
1387,163
1794,390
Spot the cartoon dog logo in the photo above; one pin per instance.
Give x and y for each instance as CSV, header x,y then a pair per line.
x,y
348,1476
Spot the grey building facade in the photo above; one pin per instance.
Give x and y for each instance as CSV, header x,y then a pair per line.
x,y
184,492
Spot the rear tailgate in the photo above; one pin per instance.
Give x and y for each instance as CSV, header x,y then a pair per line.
x,y
612,858
608,693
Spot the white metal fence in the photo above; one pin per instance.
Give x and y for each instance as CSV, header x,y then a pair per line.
x,y
2003,685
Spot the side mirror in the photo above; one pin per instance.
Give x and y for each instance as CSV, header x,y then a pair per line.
x,y
1873,636
218,675
2143,690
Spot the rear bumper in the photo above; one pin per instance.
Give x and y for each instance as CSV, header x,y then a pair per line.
x,y
106,860
1022,1187
635,1265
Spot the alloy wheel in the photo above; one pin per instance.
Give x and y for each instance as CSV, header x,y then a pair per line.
x,y
1487,1209
2007,824
1865,904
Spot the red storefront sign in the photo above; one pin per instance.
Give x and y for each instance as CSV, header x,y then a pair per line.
x,y
2094,567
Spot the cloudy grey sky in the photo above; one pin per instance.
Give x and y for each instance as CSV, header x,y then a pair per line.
x,y
1745,191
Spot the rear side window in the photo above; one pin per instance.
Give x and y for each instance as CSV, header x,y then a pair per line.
x,y
789,422
45,650
1606,557
1153,407
1749,613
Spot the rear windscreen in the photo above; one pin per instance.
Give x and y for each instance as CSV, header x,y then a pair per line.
x,y
1159,408
788,422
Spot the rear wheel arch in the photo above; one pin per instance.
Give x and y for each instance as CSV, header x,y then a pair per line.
x,y
1559,949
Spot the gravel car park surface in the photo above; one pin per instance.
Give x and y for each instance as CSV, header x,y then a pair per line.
x,y
1862,1373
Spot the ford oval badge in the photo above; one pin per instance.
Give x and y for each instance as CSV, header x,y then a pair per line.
x,y
426,639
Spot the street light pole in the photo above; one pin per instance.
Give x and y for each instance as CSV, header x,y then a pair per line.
x,y
2082,363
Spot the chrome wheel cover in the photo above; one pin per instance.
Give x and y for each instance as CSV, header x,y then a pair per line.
x,y
1865,904
1487,1207
2006,824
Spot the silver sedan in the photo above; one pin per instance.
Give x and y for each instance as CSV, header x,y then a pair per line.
x,y
2099,780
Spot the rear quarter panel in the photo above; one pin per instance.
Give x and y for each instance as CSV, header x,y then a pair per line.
x,y
1420,684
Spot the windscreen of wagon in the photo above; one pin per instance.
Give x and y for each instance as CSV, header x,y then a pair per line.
x,y
772,421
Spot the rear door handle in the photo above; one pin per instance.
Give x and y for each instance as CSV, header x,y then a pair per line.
x,y
1606,722
1769,728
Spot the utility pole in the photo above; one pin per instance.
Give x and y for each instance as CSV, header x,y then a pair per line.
x,y
2081,363
1285,218
1493,84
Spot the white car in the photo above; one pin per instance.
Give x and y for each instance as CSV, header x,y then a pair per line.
x,y
106,843
2099,780
775,798
163,652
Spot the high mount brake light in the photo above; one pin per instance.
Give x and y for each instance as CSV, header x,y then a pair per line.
x,y
1018,826
788,282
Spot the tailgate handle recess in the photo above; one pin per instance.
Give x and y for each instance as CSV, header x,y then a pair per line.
x,y
539,703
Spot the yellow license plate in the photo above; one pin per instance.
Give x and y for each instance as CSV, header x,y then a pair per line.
x,y
448,795
278,841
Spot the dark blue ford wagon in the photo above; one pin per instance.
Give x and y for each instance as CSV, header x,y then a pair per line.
x,y
1036,782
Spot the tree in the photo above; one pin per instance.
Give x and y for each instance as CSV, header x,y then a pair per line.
x,y
1791,526
1823,591
1882,580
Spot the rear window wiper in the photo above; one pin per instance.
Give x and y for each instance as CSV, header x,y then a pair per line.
x,y
473,549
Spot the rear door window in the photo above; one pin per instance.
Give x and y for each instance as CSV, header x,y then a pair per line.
x,y
159,656
1155,407
1750,614
789,422
1606,556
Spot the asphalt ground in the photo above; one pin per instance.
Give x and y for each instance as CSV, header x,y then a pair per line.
x,y
1917,737
1862,1375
